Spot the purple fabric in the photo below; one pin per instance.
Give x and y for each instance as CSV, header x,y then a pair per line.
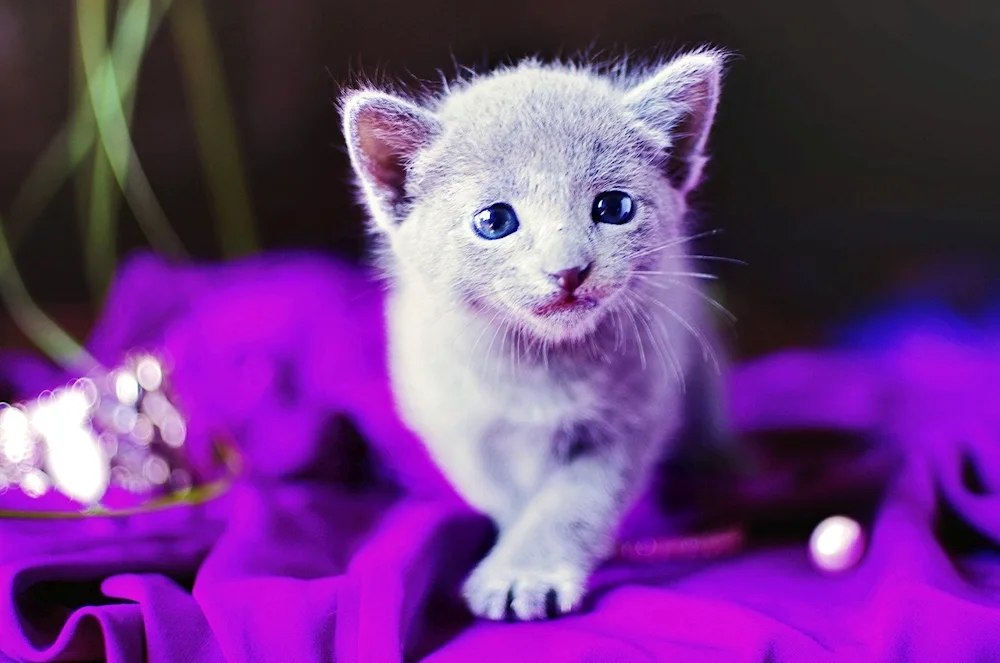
x,y
342,542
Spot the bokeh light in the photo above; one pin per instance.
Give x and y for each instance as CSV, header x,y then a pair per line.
x,y
111,428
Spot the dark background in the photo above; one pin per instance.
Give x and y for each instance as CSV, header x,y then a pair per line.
x,y
857,148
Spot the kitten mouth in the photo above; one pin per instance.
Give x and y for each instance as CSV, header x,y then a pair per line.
x,y
566,304
564,317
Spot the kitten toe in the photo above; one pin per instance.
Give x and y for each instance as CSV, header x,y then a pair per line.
x,y
546,596
529,599
523,594
489,598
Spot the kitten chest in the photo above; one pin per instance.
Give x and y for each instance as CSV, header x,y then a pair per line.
x,y
496,439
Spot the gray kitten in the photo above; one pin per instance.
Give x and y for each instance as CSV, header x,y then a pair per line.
x,y
547,340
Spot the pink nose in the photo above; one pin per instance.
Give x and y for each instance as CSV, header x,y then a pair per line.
x,y
571,279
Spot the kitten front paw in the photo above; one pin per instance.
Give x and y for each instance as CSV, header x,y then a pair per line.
x,y
497,590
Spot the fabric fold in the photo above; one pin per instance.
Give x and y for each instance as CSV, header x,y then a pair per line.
x,y
342,542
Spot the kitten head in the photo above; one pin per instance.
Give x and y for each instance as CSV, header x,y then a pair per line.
x,y
538,192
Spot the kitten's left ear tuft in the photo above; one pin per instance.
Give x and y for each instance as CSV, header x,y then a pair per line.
x,y
384,134
679,101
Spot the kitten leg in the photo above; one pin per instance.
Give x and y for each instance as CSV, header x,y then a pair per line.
x,y
542,561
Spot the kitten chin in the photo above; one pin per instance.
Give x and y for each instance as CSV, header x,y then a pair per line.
x,y
560,317
562,321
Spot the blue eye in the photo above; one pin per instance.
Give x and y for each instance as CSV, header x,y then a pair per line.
x,y
613,207
496,221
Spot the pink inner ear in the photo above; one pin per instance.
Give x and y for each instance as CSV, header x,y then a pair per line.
x,y
383,164
690,133
386,142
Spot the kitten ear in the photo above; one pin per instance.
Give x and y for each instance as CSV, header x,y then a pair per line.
x,y
679,101
384,134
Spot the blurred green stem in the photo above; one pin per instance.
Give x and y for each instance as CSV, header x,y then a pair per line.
x,y
96,190
113,130
215,127
40,328
100,127
137,22
67,149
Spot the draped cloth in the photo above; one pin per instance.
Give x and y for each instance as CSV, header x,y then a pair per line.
x,y
341,541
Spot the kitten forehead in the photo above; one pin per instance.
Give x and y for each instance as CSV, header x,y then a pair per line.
x,y
546,120
532,88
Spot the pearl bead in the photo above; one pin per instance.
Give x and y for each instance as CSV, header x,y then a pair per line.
x,y
837,544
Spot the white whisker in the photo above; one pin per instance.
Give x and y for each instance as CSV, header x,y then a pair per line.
x,y
675,363
706,348
714,303
619,330
496,332
638,334
604,356
675,242
733,261
645,324
665,352
707,298
503,344
543,351
694,275
482,333
529,345
518,337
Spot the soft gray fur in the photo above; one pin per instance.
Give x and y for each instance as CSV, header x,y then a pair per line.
x,y
550,424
